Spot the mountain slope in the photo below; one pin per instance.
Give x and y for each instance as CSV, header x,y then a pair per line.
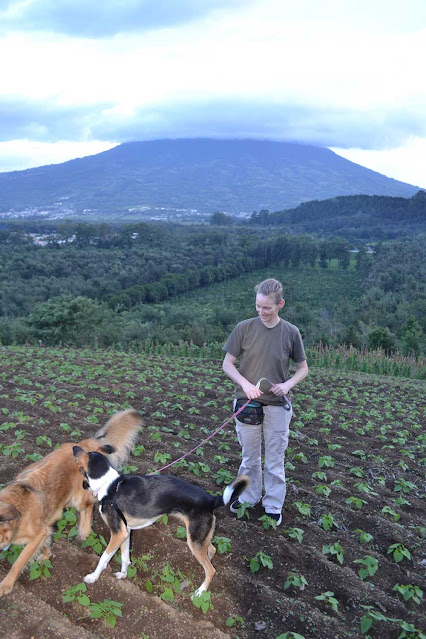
x,y
202,174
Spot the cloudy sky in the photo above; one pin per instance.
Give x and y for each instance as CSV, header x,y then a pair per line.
x,y
79,76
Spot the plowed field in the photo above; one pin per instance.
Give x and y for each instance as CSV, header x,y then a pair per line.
x,y
353,523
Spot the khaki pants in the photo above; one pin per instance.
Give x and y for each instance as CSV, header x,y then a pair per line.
x,y
275,430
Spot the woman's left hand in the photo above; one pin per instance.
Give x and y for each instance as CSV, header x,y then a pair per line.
x,y
280,389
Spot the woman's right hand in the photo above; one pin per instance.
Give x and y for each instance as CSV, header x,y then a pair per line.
x,y
251,391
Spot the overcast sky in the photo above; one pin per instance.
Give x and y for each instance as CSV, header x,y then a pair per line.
x,y
79,76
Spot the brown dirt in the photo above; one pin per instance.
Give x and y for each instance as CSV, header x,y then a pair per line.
x,y
182,402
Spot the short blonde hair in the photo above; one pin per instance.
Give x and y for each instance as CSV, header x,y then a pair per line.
x,y
272,288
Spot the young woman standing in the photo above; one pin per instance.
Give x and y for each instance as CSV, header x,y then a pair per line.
x,y
265,344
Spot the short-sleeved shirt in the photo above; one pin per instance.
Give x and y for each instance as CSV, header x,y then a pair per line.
x,y
265,352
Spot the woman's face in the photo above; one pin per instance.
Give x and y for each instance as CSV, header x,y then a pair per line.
x,y
268,309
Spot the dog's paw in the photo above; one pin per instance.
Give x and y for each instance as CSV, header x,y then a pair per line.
x,y
83,534
120,575
90,579
5,587
199,591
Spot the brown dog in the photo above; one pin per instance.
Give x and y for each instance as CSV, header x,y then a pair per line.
x,y
33,502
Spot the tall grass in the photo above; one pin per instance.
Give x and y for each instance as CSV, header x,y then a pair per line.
x,y
349,358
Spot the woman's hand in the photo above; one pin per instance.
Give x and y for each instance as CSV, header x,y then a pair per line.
x,y
281,389
251,390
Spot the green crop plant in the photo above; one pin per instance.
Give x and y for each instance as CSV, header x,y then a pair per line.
x,y
223,476
301,457
409,592
329,598
295,581
12,450
323,490
365,488
235,620
95,542
203,602
399,551
370,616
260,560
388,511
364,537
77,593
320,475
167,581
295,533
304,509
335,550
327,521
68,518
268,522
326,461
408,631
355,502
108,610
40,568
222,544
162,458
129,469
369,564
359,453
401,485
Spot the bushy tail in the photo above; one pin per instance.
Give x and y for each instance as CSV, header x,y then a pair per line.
x,y
233,491
120,431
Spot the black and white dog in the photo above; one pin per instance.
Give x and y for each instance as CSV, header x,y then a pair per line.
x,y
131,502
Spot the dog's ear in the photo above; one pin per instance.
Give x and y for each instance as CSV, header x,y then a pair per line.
x,y
80,457
76,451
107,449
8,512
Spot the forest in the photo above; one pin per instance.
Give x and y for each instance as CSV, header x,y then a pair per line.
x,y
368,217
108,285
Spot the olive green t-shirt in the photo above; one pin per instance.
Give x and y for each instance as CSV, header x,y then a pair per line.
x,y
265,352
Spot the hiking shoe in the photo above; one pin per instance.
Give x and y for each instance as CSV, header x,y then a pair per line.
x,y
275,516
234,506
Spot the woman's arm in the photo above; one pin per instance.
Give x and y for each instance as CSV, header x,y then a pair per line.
x,y
285,387
230,369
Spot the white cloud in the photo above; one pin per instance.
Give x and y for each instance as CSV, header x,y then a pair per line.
x,y
17,155
341,74
405,163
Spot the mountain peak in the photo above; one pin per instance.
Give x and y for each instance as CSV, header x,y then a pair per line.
x,y
239,175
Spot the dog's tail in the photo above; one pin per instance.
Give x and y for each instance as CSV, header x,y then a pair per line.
x,y
233,491
120,431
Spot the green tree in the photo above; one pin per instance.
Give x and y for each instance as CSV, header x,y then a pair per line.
x,y
412,337
70,320
221,219
381,337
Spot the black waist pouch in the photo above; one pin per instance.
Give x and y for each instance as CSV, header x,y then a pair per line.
x,y
252,413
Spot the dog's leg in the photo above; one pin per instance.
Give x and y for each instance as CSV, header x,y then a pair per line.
x,y
28,552
46,552
200,547
125,558
201,554
114,543
86,515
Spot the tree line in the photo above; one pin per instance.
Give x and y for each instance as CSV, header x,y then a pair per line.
x,y
110,284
